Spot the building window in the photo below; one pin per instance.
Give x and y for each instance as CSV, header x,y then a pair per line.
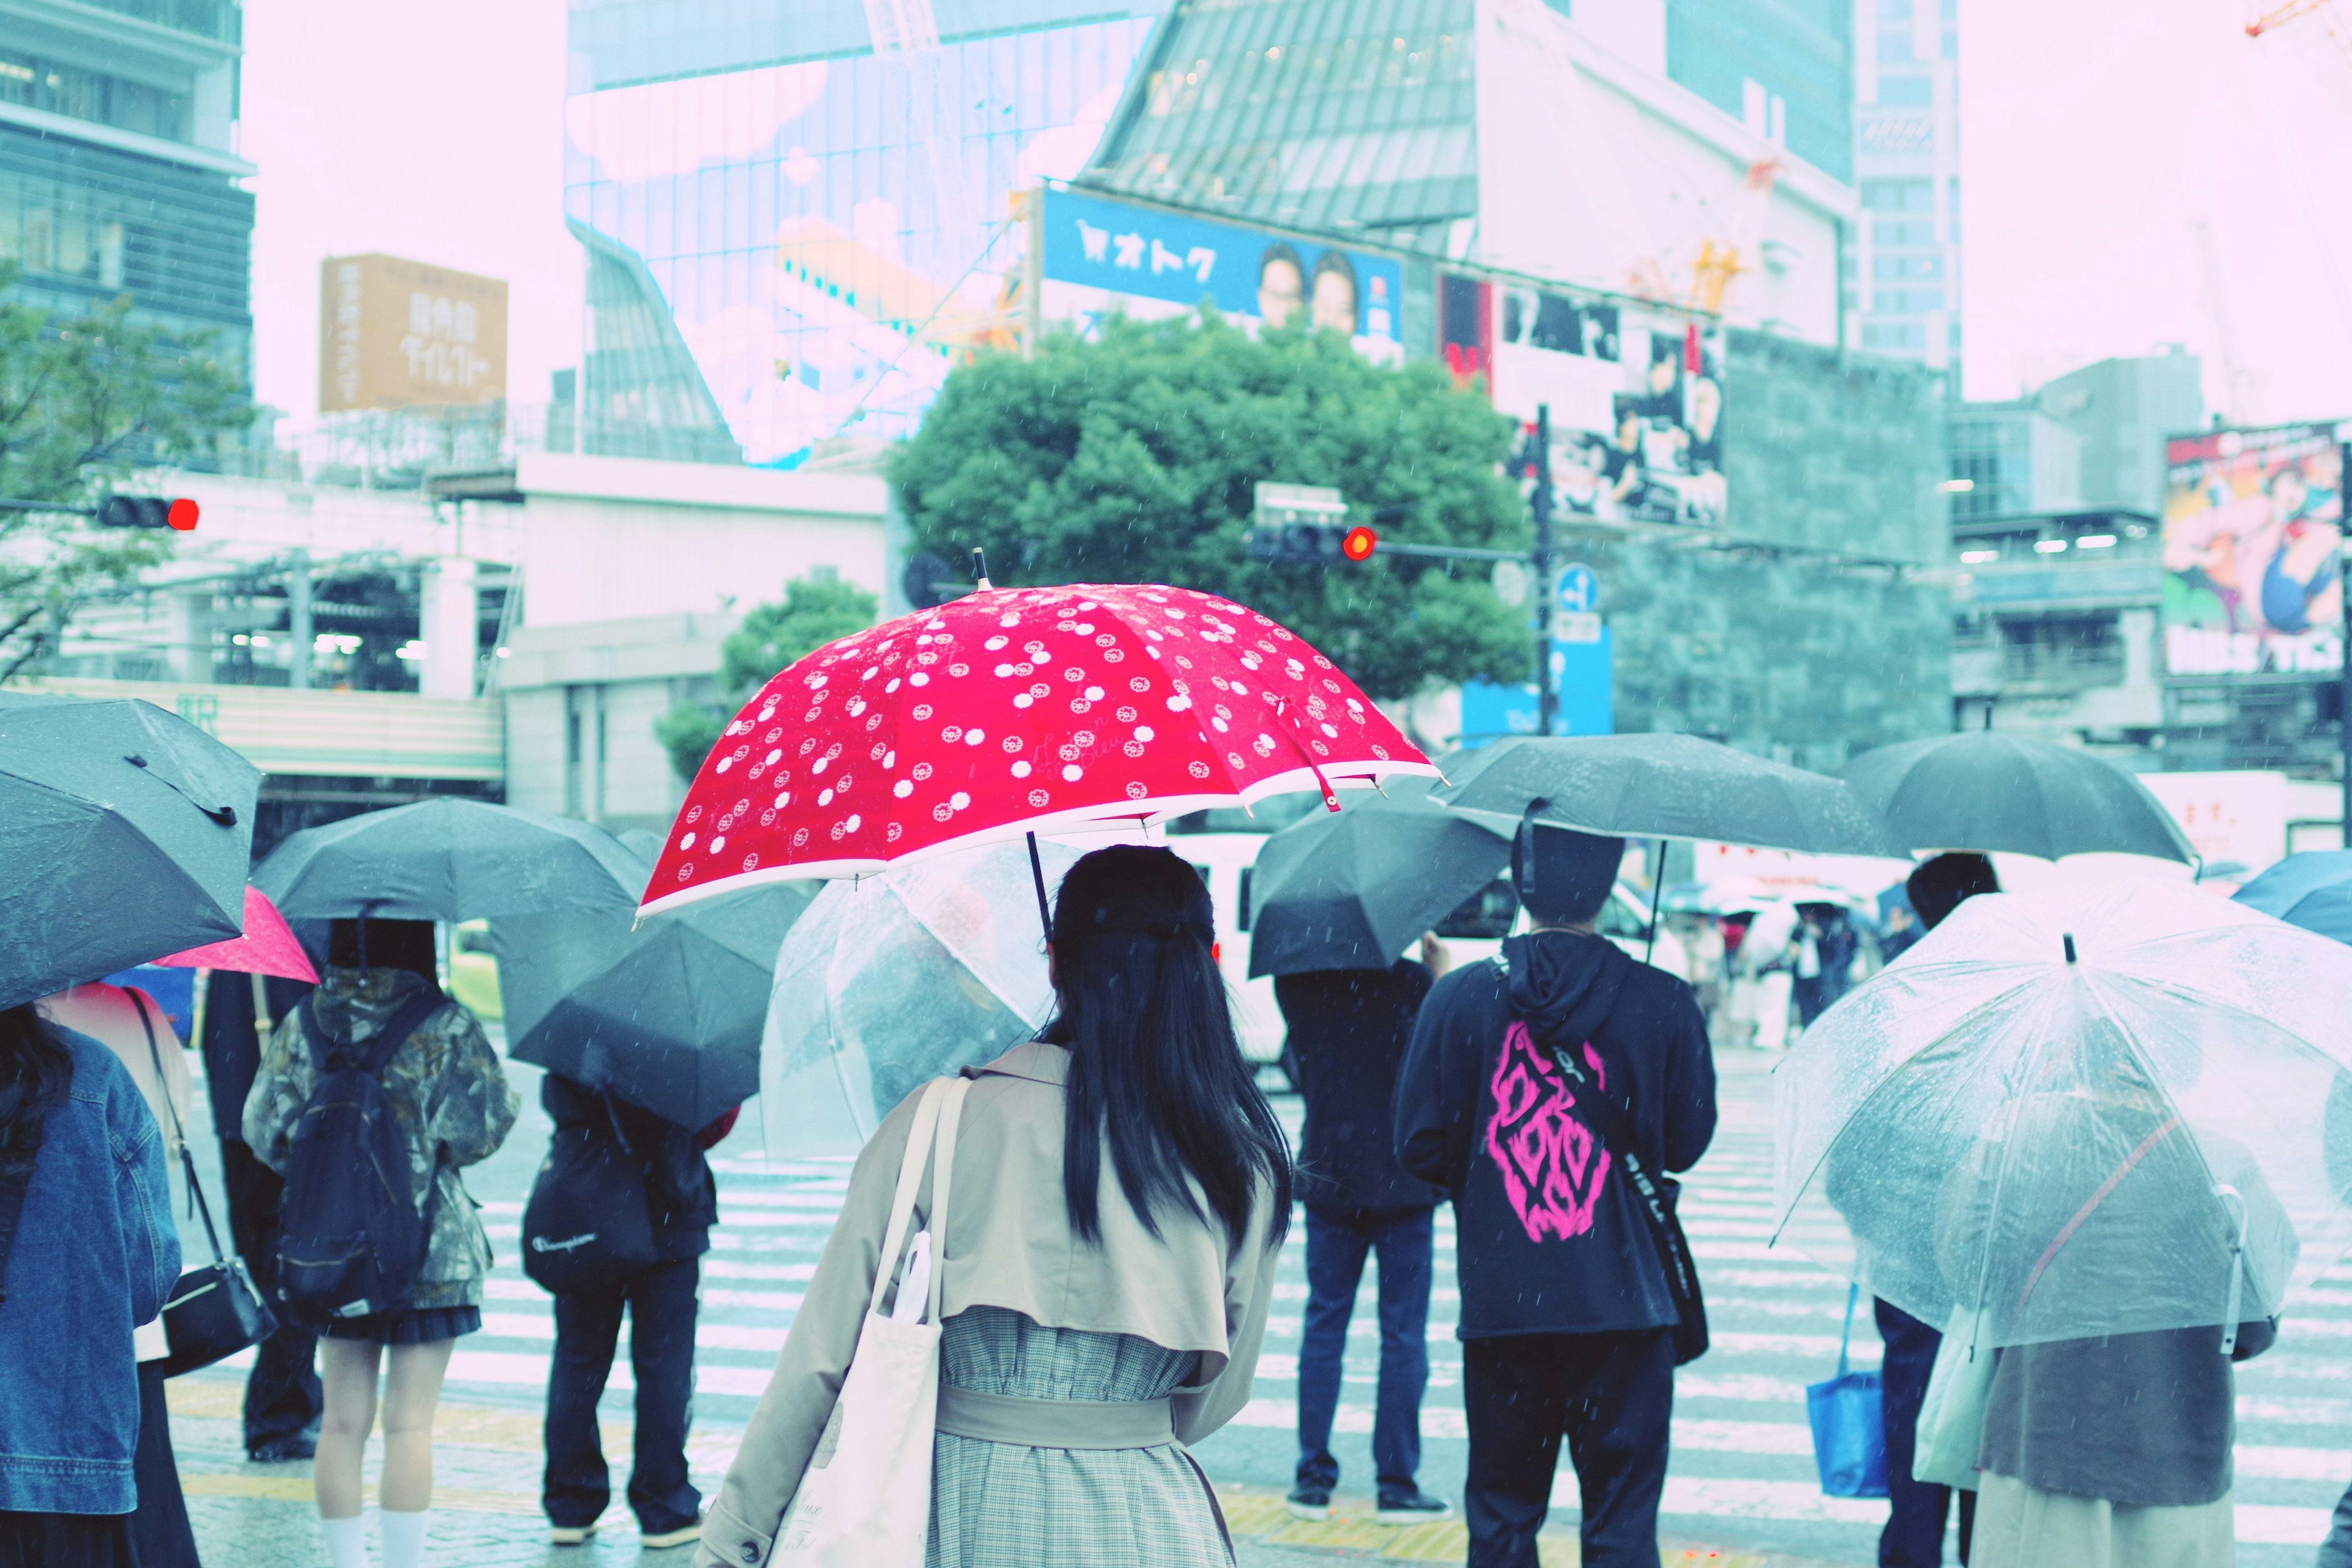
x,y
1906,302
1907,90
1895,335
1895,44
1899,196
49,229
93,96
1903,233
1901,267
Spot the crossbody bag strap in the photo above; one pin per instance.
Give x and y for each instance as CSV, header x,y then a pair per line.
x,y
410,1018
1611,1125
179,1134
910,1176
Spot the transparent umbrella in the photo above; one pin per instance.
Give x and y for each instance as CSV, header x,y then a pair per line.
x,y
894,979
2079,1114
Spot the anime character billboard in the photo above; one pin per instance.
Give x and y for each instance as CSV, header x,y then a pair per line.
x,y
2252,523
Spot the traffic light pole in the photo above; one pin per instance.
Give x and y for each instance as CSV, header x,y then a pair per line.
x,y
1540,455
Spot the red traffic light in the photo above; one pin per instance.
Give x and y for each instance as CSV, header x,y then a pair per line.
x,y
181,514
1360,543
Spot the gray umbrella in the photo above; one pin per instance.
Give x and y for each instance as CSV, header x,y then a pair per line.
x,y
1665,786
450,859
670,1017
124,834
1986,792
1349,889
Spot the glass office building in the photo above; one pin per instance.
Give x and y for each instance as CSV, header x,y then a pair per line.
x,y
1785,68
117,175
829,222
1904,281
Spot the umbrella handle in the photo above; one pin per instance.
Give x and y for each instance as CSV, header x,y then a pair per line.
x,y
1038,874
1658,893
2237,1270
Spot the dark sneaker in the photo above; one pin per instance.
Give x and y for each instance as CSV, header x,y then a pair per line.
x,y
277,1450
1411,1505
1308,1500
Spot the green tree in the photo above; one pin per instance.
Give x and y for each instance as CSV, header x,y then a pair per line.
x,y
772,637
83,400
1133,458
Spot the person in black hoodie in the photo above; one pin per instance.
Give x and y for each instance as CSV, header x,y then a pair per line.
x,y
1567,1319
682,1197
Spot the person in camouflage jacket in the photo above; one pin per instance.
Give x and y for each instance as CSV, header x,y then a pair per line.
x,y
446,1089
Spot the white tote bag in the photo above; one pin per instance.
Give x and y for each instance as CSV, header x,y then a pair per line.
x,y
1952,1414
866,1500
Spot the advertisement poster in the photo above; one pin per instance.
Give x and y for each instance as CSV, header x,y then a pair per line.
x,y
1104,255
1635,394
2252,520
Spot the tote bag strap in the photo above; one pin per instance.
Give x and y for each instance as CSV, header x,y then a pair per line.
x,y
179,1134
942,1176
910,1176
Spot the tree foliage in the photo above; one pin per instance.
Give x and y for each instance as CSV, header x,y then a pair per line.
x,y
1133,458
773,635
82,400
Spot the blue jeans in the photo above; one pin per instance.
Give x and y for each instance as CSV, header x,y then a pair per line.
x,y
1337,1241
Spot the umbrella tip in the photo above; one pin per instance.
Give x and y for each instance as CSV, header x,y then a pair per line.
x,y
979,568
2069,940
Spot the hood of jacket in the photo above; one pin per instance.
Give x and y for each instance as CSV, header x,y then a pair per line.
x,y
1564,984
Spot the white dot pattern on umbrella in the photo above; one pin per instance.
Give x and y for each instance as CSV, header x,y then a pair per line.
x,y
1069,702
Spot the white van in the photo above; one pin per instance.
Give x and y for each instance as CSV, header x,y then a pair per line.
x,y
1226,861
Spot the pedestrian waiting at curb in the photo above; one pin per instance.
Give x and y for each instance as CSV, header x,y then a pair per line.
x,y
1914,1536
133,1025
88,1253
1117,1192
1569,1317
627,1160
414,1094
1347,1033
282,1399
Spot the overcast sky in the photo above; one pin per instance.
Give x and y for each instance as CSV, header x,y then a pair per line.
x,y
2097,137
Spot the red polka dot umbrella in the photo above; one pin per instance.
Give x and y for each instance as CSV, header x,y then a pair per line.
x,y
1018,711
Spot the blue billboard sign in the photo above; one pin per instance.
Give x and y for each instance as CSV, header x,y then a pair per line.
x,y
1103,255
1582,675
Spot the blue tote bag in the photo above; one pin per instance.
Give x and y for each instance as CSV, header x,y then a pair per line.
x,y
1849,1422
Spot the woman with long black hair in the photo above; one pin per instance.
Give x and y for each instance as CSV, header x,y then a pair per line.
x,y
88,1253
1120,1191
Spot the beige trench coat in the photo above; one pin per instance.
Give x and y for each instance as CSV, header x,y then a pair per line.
x,y
1009,1245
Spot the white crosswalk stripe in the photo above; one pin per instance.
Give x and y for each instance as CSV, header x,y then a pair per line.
x,y
1742,1449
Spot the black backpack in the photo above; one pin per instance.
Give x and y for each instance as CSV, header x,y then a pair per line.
x,y
588,1223
350,1239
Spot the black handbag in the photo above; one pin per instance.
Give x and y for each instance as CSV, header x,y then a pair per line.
x,y
588,1223
213,1311
1657,1194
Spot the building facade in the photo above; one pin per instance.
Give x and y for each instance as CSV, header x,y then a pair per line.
x,y
1904,283
118,173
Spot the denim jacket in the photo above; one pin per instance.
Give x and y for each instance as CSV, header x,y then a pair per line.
x,y
96,1252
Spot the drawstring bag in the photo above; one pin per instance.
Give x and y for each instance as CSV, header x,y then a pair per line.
x,y
866,1499
1849,1419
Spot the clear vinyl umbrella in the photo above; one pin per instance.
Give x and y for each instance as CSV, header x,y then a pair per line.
x,y
2079,1114
891,980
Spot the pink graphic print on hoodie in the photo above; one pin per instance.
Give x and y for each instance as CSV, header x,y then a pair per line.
x,y
1553,1167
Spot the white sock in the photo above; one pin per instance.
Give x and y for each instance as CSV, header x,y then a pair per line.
x,y
345,1546
403,1537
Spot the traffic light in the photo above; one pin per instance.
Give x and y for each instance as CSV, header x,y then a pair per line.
x,y
1305,525
1298,544
147,511
1359,543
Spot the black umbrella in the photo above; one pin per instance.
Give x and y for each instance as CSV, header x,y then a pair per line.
x,y
124,834
1987,792
670,1019
450,859
1665,786
1349,890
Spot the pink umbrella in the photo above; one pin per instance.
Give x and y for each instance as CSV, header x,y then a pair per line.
x,y
267,946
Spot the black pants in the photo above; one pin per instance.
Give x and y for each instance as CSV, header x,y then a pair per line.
x,y
160,1536
1613,1396
282,1398
661,1304
64,1540
1914,1536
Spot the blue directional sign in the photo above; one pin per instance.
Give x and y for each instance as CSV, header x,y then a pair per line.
x,y
1576,589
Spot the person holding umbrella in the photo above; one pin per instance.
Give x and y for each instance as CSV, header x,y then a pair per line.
x,y
1347,1030
681,1205
450,1098
1120,1193
1569,1315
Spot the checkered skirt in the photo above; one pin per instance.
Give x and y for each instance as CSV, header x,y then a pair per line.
x,y
1000,1505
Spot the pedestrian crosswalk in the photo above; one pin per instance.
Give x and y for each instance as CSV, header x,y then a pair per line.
x,y
1742,1471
